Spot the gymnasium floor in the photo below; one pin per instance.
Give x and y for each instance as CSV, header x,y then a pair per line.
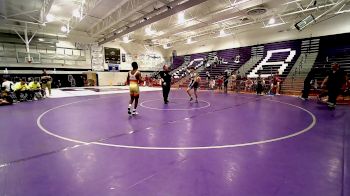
x,y
234,144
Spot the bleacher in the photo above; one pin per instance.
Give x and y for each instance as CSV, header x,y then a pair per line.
x,y
230,59
177,62
194,60
332,49
278,57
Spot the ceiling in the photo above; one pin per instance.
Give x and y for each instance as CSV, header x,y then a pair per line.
x,y
110,20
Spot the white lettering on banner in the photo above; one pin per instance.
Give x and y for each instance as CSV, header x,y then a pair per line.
x,y
265,61
195,60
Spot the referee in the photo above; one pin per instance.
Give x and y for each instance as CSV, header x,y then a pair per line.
x,y
165,82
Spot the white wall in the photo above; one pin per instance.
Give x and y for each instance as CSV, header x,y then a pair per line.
x,y
337,25
111,78
65,44
136,50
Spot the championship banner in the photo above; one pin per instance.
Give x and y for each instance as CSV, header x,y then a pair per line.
x,y
123,58
113,67
112,55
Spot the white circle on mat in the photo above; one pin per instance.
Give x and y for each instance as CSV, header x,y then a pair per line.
x,y
174,109
309,127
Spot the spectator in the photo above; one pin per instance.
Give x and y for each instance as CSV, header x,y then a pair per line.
x,y
347,86
248,84
233,81
276,81
146,80
35,90
207,75
227,75
21,90
7,85
220,81
4,102
259,88
212,84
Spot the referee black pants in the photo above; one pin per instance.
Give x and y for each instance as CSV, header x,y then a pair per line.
x,y
306,91
333,94
166,90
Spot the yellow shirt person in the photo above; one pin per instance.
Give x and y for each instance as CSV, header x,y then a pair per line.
x,y
34,86
20,86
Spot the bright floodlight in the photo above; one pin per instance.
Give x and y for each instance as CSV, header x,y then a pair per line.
x,y
181,18
126,39
76,13
149,31
41,39
50,18
222,33
64,28
272,21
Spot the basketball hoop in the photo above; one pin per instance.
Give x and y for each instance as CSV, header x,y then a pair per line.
x,y
29,61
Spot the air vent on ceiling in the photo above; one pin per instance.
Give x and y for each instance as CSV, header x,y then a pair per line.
x,y
256,11
244,19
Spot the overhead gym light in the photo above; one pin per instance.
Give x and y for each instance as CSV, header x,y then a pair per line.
x,y
126,39
305,22
181,18
149,31
76,13
50,17
64,29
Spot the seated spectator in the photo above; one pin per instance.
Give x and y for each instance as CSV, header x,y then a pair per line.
x,y
35,90
248,84
346,86
220,80
212,84
7,85
7,90
4,102
5,99
233,81
21,90
276,84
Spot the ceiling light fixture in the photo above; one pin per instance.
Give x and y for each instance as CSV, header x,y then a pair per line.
x,y
64,29
190,41
41,39
126,39
50,17
149,31
181,18
272,21
76,13
222,33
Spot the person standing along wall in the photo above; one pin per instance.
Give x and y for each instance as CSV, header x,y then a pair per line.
x,y
307,84
46,82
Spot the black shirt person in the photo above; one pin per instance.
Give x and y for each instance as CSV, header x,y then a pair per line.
x,y
165,82
307,83
335,79
227,75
